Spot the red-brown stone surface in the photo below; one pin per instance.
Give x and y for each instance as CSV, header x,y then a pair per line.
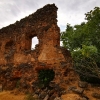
x,y
18,62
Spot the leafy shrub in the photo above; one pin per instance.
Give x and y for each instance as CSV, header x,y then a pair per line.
x,y
45,76
85,64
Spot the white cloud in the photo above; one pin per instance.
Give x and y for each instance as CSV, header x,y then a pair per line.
x,y
69,11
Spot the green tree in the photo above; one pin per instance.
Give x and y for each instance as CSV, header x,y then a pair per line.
x,y
84,43
66,37
84,34
75,36
85,63
93,26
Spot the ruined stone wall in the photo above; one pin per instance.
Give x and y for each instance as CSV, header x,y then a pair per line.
x,y
18,61
16,38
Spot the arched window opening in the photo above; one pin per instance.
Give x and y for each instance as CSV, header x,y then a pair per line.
x,y
34,42
61,44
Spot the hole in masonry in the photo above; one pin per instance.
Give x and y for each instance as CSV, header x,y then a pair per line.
x,y
34,42
45,76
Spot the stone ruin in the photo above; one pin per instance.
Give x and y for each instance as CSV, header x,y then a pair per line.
x,y
19,63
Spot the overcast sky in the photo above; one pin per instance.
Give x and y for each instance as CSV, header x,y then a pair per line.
x,y
69,11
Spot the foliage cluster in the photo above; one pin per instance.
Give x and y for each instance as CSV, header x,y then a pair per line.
x,y
45,76
84,43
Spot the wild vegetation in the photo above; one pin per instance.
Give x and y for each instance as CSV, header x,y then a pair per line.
x,y
83,41
45,76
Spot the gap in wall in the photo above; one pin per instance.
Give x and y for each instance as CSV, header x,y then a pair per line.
x,y
34,42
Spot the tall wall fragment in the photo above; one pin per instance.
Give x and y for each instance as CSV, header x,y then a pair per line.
x,y
18,61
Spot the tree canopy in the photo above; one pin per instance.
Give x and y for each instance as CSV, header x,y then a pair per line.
x,y
84,43
87,33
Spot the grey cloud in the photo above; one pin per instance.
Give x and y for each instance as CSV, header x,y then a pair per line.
x,y
26,4
12,10
8,10
69,11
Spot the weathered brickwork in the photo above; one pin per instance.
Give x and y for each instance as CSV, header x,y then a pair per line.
x,y
19,62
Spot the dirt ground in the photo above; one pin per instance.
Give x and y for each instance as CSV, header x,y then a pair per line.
x,y
7,95
15,95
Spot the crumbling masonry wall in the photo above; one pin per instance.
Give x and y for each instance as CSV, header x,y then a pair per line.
x,y
18,61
